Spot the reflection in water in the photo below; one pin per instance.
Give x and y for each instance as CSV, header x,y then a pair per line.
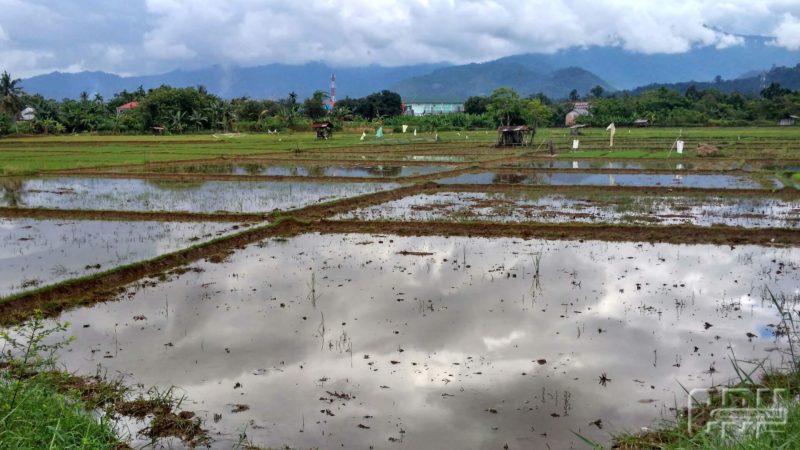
x,y
339,341
372,170
38,252
195,196
619,179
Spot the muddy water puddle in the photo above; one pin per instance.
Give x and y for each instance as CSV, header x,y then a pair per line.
x,y
611,179
366,171
34,253
156,195
365,341
558,208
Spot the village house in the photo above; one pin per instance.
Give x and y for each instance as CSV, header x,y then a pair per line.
x,y
27,114
578,109
122,109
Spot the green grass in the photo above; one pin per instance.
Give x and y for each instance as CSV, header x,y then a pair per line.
x,y
41,418
29,155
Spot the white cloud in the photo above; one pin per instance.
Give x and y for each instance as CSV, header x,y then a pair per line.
x,y
787,34
145,36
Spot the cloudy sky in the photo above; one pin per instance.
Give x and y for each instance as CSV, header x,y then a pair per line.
x,y
153,36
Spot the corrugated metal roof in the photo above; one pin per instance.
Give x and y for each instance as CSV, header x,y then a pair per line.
x,y
514,128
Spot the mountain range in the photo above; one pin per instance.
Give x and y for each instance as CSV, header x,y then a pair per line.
x,y
749,84
554,74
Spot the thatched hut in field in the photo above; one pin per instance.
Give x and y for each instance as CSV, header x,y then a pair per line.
x,y
515,136
324,129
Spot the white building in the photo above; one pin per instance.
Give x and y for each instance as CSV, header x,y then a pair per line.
x,y
427,109
27,114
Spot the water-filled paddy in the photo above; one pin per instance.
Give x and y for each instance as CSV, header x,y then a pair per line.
x,y
365,171
611,179
583,164
156,195
340,341
753,212
34,253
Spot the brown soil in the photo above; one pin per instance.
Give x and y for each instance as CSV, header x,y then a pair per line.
x,y
680,234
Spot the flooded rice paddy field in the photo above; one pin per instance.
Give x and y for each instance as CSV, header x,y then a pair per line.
x,y
199,196
34,253
366,171
615,179
751,212
463,343
631,165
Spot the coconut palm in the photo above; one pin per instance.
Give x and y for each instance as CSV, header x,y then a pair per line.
x,y
10,91
197,120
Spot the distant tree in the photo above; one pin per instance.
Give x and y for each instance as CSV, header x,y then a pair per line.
x,y
177,119
10,92
5,123
597,91
573,95
314,106
84,96
197,120
385,103
542,98
536,113
506,107
692,93
774,91
476,105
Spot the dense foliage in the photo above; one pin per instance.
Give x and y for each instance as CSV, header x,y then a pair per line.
x,y
194,109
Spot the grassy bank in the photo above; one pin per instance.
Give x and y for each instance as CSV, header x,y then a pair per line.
x,y
34,415
677,435
43,407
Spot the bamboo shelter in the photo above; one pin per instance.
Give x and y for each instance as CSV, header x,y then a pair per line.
x,y
324,129
515,136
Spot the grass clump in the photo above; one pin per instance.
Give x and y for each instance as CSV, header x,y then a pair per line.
x,y
771,423
35,413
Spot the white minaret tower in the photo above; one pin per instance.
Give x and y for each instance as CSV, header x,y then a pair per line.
x,y
333,89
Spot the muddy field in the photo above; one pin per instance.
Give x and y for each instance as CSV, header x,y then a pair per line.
x,y
373,296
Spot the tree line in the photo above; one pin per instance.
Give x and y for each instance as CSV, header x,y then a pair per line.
x,y
194,109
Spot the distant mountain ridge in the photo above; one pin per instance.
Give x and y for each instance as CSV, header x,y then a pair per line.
x,y
554,74
271,81
459,82
787,77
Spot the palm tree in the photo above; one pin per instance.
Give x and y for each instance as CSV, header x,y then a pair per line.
x,y
84,96
177,118
197,120
10,91
215,110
